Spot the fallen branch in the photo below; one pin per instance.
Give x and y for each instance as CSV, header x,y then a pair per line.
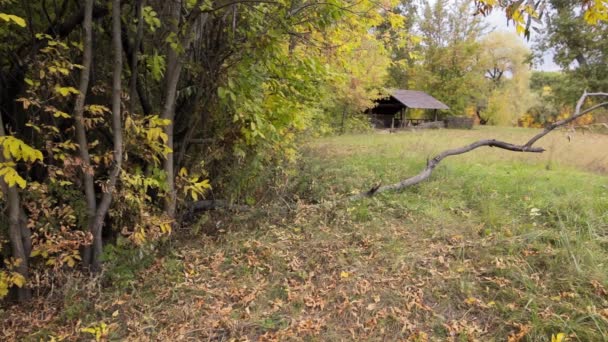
x,y
527,147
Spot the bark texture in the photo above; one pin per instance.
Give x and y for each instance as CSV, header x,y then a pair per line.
x,y
174,68
106,199
17,229
134,53
81,136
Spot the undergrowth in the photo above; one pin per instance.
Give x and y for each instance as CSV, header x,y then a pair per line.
x,y
490,248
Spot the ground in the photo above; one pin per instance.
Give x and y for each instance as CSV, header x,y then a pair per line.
x,y
495,246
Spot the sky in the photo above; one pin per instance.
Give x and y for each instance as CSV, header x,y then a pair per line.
x,y
498,22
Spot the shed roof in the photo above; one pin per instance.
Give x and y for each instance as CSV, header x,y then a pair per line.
x,y
417,99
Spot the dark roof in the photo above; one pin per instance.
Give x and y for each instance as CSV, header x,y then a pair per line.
x,y
417,99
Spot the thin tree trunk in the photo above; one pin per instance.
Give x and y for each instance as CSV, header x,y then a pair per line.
x,y
174,68
18,231
183,147
173,72
343,121
134,63
106,199
139,88
81,136
26,234
482,121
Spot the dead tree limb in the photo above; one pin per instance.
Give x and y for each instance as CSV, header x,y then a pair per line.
x,y
527,147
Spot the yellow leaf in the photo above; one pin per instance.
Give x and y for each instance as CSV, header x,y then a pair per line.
x,y
183,172
344,274
60,114
17,279
13,18
70,261
558,338
21,182
470,300
65,91
205,184
3,287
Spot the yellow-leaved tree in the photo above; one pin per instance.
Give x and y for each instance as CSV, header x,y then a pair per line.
x,y
13,151
504,59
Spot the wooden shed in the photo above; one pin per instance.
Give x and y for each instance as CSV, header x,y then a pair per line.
x,y
392,111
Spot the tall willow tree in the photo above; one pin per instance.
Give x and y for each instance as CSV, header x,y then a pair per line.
x,y
505,61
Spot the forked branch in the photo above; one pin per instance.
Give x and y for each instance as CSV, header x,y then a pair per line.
x,y
527,147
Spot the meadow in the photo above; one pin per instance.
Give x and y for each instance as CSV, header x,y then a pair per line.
x,y
495,246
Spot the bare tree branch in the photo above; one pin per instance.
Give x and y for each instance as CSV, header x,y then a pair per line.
x,y
527,147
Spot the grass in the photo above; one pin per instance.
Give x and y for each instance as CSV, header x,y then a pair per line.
x,y
496,245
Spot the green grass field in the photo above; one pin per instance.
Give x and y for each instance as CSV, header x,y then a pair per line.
x,y
495,246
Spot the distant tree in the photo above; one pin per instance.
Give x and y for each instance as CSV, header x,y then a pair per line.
x,y
505,60
526,15
448,66
580,49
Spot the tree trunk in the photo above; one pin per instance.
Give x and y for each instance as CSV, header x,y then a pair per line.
x,y
106,199
134,63
482,121
343,121
173,72
81,136
18,231
139,88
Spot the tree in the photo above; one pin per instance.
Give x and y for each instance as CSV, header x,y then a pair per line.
x,y
525,15
579,49
13,150
81,136
117,152
504,58
247,76
449,64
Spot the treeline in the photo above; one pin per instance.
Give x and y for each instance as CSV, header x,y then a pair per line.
x,y
488,75
116,115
